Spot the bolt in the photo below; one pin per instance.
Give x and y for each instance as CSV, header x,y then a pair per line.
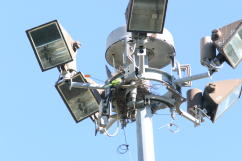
x,y
211,87
76,45
141,51
216,34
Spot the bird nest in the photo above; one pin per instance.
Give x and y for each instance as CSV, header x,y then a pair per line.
x,y
121,97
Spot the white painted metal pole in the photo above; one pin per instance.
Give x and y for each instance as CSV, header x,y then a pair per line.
x,y
145,139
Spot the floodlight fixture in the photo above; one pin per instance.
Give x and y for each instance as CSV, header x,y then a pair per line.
x,y
221,95
146,16
52,45
82,103
228,41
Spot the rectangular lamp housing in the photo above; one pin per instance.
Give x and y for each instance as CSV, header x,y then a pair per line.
x,y
146,16
52,45
219,96
229,43
81,103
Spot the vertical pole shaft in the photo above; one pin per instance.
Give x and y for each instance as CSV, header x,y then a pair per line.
x,y
145,139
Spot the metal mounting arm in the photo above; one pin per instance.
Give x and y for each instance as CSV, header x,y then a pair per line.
x,y
192,78
190,117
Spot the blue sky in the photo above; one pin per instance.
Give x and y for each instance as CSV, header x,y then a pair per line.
x,y
35,125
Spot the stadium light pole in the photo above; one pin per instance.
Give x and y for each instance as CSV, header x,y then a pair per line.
x,y
143,17
138,51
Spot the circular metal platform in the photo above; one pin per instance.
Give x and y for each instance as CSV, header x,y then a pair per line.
x,y
160,48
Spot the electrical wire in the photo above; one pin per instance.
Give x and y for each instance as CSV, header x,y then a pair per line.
x,y
112,135
115,133
59,78
99,80
124,148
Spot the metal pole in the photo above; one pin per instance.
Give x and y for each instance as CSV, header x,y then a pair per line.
x,y
145,140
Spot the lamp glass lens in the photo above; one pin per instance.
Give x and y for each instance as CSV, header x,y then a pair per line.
x,y
147,15
233,49
50,46
228,102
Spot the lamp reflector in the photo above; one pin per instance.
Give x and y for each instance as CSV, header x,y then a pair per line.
x,y
221,95
82,103
49,42
146,16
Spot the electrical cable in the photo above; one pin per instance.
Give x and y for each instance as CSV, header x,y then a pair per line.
x,y
59,78
112,135
124,148
115,133
97,79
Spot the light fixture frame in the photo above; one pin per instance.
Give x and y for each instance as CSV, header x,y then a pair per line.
x,y
129,15
61,30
